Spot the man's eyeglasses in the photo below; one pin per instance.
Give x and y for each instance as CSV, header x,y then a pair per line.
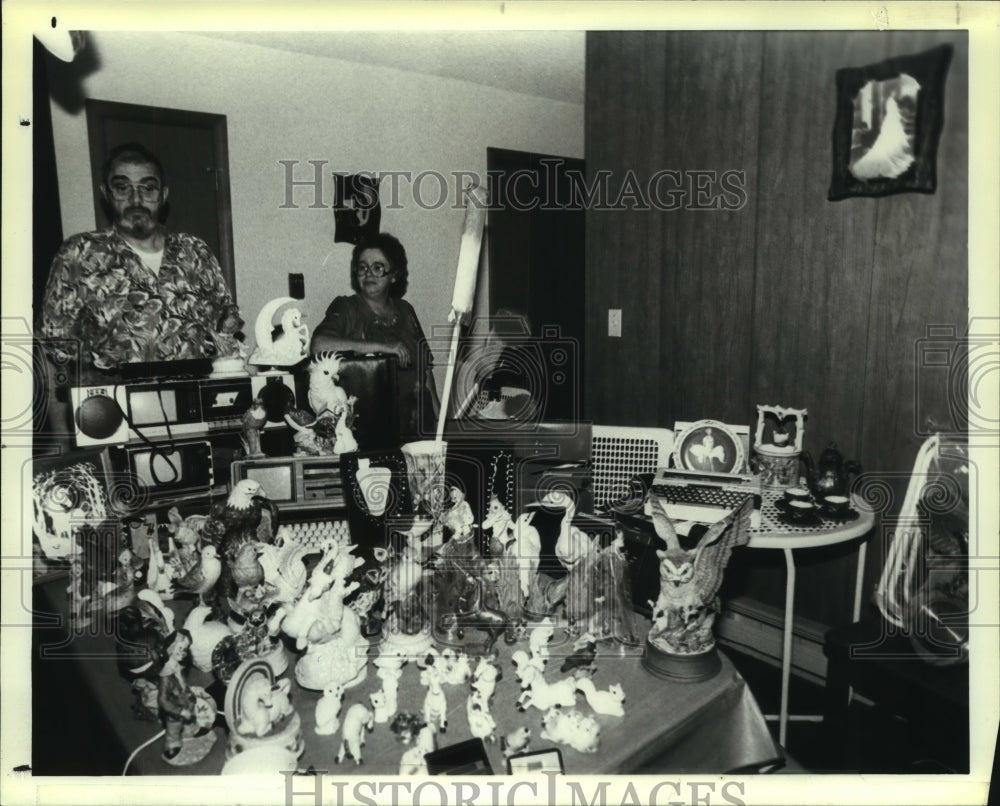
x,y
375,269
148,191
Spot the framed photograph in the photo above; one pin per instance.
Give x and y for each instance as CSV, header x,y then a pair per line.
x,y
357,213
539,761
708,446
889,119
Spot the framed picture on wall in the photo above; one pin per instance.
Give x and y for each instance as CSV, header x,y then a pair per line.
x,y
888,123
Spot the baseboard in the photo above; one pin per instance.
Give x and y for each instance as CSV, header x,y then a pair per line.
x,y
755,628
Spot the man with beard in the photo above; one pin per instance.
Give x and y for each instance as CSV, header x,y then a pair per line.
x,y
135,292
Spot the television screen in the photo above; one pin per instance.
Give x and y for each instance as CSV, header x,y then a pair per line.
x,y
153,407
159,468
276,481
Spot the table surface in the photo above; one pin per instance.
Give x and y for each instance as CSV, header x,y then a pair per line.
x,y
709,726
776,533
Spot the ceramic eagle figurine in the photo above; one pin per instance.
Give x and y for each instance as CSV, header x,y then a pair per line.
x,y
690,579
241,518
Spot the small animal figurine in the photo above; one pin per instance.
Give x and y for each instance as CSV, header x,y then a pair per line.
x,y
458,671
262,705
543,695
406,726
517,741
610,702
378,701
389,673
538,641
357,720
481,722
526,667
328,710
254,420
435,703
202,578
345,441
580,732
484,679
412,762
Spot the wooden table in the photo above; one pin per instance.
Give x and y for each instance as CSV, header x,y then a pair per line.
x,y
712,726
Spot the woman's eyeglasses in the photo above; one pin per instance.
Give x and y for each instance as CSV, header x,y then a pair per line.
x,y
375,269
147,191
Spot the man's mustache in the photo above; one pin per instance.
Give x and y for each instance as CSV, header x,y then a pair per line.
x,y
137,209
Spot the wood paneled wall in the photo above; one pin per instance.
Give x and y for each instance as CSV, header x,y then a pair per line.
x,y
790,299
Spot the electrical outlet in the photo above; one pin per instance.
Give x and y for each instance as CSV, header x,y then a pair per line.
x,y
615,322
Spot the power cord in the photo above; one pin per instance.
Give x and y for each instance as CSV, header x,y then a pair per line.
x,y
156,449
140,748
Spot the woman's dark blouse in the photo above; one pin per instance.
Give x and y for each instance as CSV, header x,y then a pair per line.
x,y
351,318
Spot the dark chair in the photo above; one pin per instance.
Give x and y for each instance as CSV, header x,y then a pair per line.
x,y
926,705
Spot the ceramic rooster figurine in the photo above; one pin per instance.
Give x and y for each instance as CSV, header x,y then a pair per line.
x,y
689,580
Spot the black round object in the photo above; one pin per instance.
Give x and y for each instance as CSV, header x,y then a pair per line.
x,y
681,668
98,417
277,399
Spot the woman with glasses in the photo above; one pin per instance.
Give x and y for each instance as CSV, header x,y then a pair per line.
x,y
376,319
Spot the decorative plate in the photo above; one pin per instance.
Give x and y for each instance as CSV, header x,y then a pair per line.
x,y
709,446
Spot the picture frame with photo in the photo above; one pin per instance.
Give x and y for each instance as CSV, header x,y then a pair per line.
x,y
888,123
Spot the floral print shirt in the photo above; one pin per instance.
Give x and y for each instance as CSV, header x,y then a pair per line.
x,y
101,293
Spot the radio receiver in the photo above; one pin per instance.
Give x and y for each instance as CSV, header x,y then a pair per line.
x,y
117,413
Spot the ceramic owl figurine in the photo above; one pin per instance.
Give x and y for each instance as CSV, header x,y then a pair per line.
x,y
684,612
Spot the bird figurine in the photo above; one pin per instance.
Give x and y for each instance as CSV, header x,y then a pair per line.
x,y
324,392
572,544
202,578
690,579
254,420
246,570
239,518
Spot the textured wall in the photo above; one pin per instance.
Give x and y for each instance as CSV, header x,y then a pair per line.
x,y
791,299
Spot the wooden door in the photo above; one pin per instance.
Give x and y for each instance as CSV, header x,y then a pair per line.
x,y
193,147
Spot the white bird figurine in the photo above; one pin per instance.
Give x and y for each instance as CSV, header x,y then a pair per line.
x,y
202,578
573,545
